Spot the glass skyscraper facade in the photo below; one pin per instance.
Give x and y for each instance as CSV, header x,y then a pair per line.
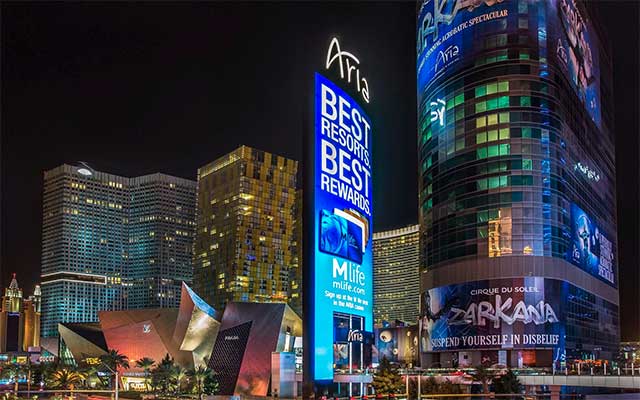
x,y
516,184
161,233
112,243
396,276
245,238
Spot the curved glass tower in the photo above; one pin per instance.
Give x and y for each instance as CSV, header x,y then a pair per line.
x,y
516,185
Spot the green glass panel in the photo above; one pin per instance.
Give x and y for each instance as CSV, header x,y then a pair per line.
x,y
493,151
481,137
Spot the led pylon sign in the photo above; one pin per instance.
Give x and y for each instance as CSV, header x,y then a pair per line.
x,y
342,272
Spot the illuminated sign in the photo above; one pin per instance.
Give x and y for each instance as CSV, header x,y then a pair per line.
x,y
444,12
355,335
446,56
437,111
576,51
84,171
92,361
349,65
587,172
591,250
146,328
503,313
342,275
445,29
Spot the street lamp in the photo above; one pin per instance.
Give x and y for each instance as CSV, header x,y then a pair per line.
x,y
116,375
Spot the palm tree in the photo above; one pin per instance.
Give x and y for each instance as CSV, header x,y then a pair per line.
x,y
115,361
146,364
65,378
12,372
161,374
484,375
199,375
177,376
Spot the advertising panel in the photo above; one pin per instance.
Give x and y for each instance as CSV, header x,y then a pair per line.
x,y
590,249
450,31
573,42
342,218
398,345
497,314
447,30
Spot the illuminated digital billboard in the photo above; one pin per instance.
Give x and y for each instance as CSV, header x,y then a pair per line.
x,y
590,249
573,42
341,277
452,34
398,344
448,31
500,314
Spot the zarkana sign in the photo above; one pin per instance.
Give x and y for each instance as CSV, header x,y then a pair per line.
x,y
342,248
493,314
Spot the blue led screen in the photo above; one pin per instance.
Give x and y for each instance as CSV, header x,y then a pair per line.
x,y
590,249
342,248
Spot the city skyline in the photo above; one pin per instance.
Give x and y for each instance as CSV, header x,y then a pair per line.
x,y
30,147
113,243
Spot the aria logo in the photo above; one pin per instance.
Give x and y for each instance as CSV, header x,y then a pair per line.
x,y
446,56
355,335
349,63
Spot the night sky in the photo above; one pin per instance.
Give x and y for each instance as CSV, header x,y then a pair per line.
x,y
139,88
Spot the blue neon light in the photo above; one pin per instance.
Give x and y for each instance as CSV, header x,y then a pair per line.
x,y
343,272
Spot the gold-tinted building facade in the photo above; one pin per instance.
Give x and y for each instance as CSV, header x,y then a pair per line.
x,y
19,319
244,248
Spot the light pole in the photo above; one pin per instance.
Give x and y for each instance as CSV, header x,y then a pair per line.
x,y
116,375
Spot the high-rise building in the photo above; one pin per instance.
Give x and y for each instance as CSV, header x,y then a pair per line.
x,y
245,228
161,231
19,319
516,185
112,243
295,274
396,276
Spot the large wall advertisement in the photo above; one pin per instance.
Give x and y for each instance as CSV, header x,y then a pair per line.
x,y
501,314
447,30
590,249
450,31
342,210
574,45
397,344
